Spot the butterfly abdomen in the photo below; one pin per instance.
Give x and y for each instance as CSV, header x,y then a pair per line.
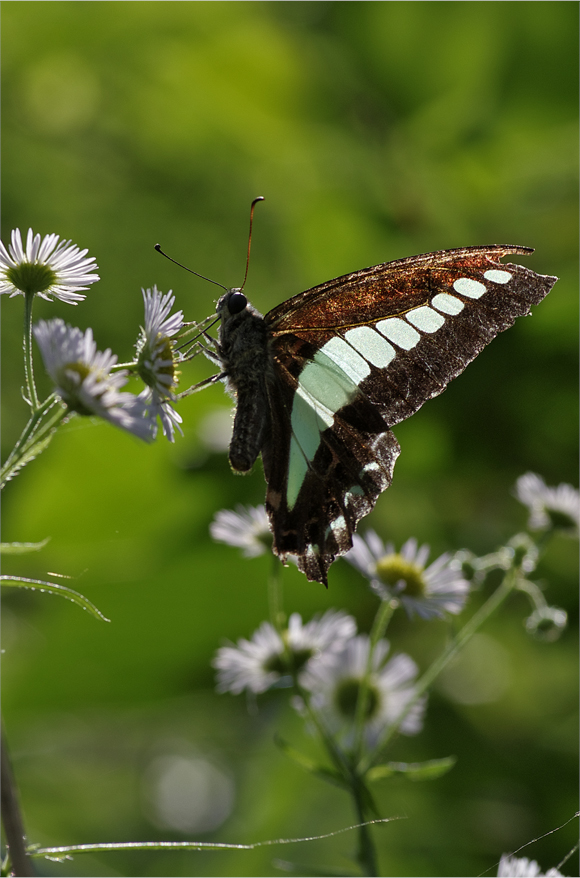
x,y
244,352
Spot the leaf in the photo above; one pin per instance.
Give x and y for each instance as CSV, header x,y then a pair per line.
x,y
9,471
308,764
51,587
414,770
22,548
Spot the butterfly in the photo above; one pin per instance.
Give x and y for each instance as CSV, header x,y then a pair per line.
x,y
321,379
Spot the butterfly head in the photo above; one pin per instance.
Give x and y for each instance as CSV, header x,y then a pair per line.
x,y
234,310
232,302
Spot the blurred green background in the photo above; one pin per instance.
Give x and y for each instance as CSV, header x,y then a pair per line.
x,y
375,131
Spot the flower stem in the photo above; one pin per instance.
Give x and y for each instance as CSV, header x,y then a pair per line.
x,y
381,621
12,819
366,853
28,365
35,433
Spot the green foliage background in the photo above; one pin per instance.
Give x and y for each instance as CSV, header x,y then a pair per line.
x,y
375,131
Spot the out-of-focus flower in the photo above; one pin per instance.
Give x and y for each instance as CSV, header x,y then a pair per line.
x,y
430,592
521,867
45,268
247,528
269,657
335,683
557,508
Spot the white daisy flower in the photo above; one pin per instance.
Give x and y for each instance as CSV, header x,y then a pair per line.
x,y
268,658
82,377
557,508
45,267
521,867
248,528
335,681
157,359
430,592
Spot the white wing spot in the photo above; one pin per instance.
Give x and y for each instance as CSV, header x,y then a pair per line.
x,y
447,304
325,385
425,319
336,527
309,419
473,289
355,491
348,360
371,345
498,277
399,332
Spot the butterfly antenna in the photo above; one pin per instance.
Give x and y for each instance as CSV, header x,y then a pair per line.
x,y
254,202
191,271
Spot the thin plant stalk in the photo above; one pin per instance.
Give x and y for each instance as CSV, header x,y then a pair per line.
x,y
380,624
34,434
12,819
366,853
32,396
494,601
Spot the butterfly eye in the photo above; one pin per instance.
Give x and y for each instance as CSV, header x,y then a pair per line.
x,y
236,303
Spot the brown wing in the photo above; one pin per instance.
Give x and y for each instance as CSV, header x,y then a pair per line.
x,y
356,356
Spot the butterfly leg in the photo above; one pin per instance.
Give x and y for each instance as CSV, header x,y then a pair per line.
x,y
207,383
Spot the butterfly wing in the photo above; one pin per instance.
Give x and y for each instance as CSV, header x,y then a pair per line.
x,y
357,355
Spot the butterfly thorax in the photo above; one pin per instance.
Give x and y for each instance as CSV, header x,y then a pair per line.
x,y
244,353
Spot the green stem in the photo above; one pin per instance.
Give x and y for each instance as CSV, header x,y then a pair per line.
x,y
381,621
533,593
366,853
33,434
458,642
131,367
12,819
31,425
28,366
336,755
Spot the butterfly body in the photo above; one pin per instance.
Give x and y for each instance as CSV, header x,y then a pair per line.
x,y
320,380
243,351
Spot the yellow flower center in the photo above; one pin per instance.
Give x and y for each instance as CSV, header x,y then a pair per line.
x,y
392,569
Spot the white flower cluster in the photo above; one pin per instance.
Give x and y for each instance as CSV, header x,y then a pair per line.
x,y
87,380
328,661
